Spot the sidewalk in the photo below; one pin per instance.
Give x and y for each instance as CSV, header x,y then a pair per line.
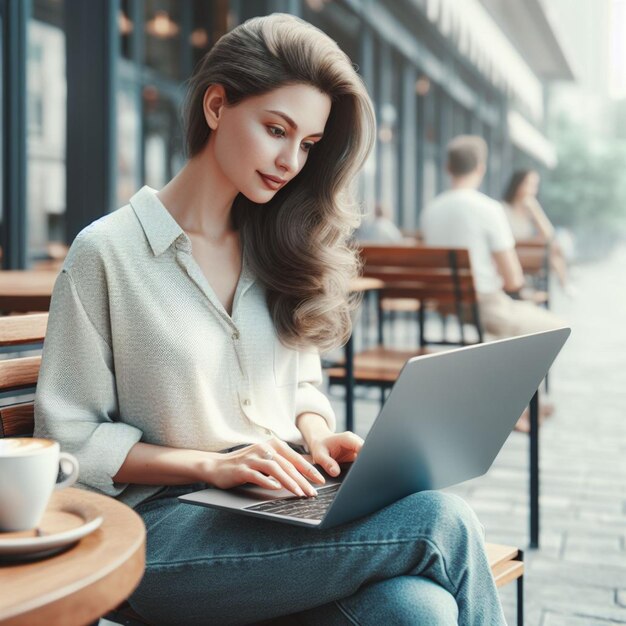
x,y
578,576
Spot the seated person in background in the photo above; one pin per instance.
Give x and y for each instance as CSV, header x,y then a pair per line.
x,y
463,217
381,229
528,220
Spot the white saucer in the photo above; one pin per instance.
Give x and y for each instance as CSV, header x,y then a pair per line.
x,y
62,525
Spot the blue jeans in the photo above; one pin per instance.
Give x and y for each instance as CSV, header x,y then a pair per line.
x,y
420,561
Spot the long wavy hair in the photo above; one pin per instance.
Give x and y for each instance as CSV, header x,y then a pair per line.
x,y
298,243
517,178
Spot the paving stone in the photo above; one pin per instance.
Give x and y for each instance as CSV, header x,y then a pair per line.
x,y
566,619
578,576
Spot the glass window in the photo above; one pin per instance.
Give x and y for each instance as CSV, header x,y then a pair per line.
x,y
46,119
162,27
2,226
162,143
128,137
207,28
126,27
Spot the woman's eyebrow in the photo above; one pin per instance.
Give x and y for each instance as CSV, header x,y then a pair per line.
x,y
291,122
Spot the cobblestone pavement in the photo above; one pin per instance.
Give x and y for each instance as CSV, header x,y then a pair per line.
x,y
578,576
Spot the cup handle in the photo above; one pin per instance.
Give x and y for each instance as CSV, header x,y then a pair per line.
x,y
68,481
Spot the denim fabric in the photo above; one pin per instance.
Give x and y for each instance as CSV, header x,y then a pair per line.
x,y
420,561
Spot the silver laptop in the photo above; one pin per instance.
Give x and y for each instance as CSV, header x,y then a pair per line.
x,y
444,422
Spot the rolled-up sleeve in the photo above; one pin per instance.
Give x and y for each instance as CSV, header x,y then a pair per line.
x,y
76,399
309,399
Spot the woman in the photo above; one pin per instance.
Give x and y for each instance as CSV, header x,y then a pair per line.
x,y
182,350
528,219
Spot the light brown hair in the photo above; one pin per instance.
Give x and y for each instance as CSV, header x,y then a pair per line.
x,y
297,244
465,154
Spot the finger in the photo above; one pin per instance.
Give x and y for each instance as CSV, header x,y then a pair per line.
x,y
258,478
351,441
300,462
328,463
295,474
274,469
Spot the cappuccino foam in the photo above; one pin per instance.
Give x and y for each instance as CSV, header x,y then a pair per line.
x,y
23,446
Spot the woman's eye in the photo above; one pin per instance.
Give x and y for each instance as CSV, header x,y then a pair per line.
x,y
276,131
307,146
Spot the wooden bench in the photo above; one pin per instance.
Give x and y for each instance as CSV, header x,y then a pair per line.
x,y
18,375
534,257
23,291
432,277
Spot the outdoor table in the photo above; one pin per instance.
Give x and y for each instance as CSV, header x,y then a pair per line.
x,y
26,290
78,586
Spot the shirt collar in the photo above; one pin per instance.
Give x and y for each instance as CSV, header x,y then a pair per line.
x,y
160,227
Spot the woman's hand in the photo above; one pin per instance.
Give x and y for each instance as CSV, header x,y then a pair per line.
x,y
272,465
330,450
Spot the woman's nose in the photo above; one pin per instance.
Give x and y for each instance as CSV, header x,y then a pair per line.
x,y
288,158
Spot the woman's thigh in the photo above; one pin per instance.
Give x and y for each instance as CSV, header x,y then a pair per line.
x,y
209,565
402,601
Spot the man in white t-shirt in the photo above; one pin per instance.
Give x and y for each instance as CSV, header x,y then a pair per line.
x,y
463,217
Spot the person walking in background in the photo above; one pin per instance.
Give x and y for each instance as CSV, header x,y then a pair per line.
x,y
529,221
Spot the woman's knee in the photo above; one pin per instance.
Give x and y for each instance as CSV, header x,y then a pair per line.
x,y
402,600
446,511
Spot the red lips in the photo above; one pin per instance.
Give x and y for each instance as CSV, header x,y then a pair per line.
x,y
272,182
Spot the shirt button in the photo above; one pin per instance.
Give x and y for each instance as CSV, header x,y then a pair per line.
x,y
247,402
235,335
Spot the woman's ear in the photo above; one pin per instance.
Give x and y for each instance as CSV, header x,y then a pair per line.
x,y
214,101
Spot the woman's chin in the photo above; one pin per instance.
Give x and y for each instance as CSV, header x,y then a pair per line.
x,y
258,196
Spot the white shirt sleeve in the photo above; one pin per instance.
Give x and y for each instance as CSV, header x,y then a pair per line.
x,y
76,400
499,233
309,399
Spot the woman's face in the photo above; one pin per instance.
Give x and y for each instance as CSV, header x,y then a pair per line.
x,y
264,141
529,186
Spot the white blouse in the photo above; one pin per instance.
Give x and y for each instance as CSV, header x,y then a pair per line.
x,y
139,348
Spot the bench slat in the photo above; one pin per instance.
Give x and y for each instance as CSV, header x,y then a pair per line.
x,y
507,572
17,420
19,373
23,329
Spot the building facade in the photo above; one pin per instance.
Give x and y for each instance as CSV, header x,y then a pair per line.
x,y
91,96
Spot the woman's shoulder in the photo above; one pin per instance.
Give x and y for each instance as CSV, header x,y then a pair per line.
x,y
103,238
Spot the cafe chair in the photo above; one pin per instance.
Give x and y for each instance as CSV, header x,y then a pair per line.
x,y
18,378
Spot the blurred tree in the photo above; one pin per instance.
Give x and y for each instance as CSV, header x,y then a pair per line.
x,y
586,192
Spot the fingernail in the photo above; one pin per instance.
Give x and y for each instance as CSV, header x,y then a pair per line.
x,y
313,492
299,491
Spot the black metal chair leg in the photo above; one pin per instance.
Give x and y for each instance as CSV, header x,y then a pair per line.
x,y
534,471
520,601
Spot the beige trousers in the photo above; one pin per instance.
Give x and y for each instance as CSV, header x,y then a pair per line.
x,y
501,316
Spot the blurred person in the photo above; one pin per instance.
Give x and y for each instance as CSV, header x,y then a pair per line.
x,y
463,217
183,345
380,229
529,221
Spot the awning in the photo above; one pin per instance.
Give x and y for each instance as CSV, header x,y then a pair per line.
x,y
479,38
527,138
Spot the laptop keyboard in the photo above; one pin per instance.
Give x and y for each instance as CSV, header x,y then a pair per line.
x,y
313,507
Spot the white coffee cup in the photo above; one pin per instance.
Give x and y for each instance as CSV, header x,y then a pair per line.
x,y
28,472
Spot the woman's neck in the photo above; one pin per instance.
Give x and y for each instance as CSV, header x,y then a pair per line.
x,y
200,197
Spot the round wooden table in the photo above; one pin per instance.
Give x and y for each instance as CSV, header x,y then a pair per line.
x,y
26,290
80,585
